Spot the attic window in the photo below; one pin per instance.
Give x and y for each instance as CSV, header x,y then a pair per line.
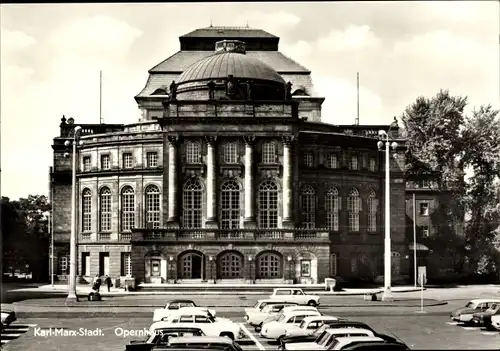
x,y
160,92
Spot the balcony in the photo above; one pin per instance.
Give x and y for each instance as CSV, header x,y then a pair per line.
x,y
241,235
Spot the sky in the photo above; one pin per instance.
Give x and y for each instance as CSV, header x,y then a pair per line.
x,y
51,56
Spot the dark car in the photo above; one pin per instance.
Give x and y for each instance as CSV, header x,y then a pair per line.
x,y
8,317
161,336
338,324
205,342
478,317
376,345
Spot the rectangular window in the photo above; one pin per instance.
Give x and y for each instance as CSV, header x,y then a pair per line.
x,y
424,230
424,208
372,165
269,153
126,264
86,264
332,161
333,265
425,184
105,162
127,160
86,164
231,153
152,159
308,159
354,163
305,268
193,152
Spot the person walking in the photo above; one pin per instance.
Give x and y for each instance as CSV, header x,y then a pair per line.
x,y
107,282
97,283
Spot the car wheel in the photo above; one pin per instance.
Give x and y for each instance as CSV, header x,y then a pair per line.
x,y
258,328
280,339
312,303
229,335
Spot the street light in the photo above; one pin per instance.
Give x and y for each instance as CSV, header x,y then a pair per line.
x,y
170,267
72,245
211,259
289,258
387,296
250,260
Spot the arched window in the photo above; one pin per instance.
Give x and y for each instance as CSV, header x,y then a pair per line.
x,y
128,208
86,210
269,265
332,205
152,207
105,210
230,205
231,152
193,152
230,265
308,207
268,152
268,204
372,211
353,208
192,204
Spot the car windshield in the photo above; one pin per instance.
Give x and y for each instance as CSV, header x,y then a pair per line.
x,y
323,338
494,306
281,318
320,330
470,304
257,305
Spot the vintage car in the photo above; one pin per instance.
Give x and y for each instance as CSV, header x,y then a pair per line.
x,y
478,317
8,317
465,314
260,304
376,346
277,329
162,336
195,317
174,305
257,317
284,310
326,339
295,295
343,343
206,342
309,325
338,324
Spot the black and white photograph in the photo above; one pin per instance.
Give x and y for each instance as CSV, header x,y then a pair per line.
x,y
246,176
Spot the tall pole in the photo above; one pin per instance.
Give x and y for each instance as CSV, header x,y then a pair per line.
x,y
51,228
387,247
357,99
72,249
414,241
100,98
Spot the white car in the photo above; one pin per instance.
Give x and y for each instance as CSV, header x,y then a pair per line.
x,y
295,295
8,317
277,329
466,313
327,339
285,310
340,343
309,325
260,304
162,313
257,317
495,321
195,317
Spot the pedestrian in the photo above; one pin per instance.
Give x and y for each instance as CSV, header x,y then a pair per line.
x,y
107,282
97,283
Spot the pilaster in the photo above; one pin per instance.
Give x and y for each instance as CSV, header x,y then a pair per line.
x,y
287,181
173,219
211,221
249,181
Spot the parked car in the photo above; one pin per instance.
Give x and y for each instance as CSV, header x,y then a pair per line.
x,y
175,305
196,317
340,324
376,346
465,314
162,336
8,317
206,342
260,304
343,343
295,295
257,317
309,325
327,338
478,317
277,329
493,322
284,310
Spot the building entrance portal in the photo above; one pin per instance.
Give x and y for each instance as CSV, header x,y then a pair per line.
x,y
191,266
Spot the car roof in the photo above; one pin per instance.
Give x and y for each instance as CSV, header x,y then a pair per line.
x,y
298,313
180,300
299,308
343,330
175,327
484,300
196,309
348,322
200,339
350,339
320,318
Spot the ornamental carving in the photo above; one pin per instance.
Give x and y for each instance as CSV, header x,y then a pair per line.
x,y
211,138
230,171
173,139
287,139
193,171
269,173
249,139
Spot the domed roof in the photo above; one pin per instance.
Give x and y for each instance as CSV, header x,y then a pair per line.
x,y
230,60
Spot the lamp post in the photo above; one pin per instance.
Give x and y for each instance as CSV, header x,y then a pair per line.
x,y
289,258
387,296
211,259
170,267
250,261
72,245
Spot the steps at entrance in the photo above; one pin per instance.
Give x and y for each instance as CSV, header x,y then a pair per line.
x,y
224,287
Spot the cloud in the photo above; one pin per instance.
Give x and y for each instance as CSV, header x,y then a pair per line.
x,y
459,11
98,35
15,40
274,22
350,39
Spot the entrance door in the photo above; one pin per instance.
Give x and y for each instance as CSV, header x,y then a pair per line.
x,y
196,264
191,266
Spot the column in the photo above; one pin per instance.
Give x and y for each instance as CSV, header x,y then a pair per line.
x,y
172,178
249,191
287,179
211,183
